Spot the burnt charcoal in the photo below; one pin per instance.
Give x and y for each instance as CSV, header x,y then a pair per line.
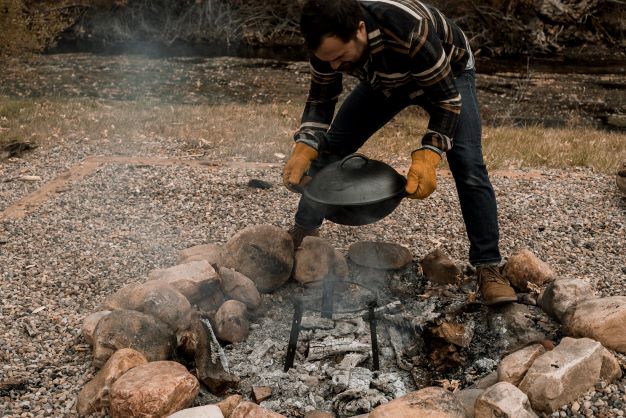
x,y
16,149
259,184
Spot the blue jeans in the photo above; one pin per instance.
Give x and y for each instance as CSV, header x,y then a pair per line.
x,y
365,111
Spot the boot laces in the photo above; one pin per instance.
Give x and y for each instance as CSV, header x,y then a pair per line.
x,y
491,274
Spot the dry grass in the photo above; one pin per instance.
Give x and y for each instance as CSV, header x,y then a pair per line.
x,y
257,132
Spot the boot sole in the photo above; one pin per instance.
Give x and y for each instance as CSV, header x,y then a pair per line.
x,y
501,300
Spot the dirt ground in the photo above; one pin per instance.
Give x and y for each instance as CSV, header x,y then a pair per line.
x,y
547,93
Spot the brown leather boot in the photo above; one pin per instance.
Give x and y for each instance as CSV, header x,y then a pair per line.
x,y
493,286
298,233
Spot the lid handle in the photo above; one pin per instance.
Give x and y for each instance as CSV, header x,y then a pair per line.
x,y
351,156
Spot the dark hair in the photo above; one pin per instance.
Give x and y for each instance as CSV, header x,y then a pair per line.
x,y
321,18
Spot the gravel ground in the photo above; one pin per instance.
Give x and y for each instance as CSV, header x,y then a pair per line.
x,y
115,225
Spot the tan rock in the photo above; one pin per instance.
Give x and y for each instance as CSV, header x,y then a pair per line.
x,y
154,389
560,296
237,286
231,321
261,393
94,396
195,280
524,267
439,268
602,319
513,367
263,253
486,381
206,411
314,260
90,323
559,376
503,400
229,404
132,329
457,334
611,369
380,255
252,410
204,252
431,402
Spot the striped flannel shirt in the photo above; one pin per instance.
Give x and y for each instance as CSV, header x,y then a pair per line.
x,y
413,50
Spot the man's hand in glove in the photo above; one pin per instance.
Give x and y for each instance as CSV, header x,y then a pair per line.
x,y
422,177
298,164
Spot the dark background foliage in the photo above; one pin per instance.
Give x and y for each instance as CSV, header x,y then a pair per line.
x,y
495,27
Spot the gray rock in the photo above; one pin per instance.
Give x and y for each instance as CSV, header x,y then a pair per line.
x,y
514,326
263,253
468,397
559,376
562,294
503,400
439,268
131,329
379,255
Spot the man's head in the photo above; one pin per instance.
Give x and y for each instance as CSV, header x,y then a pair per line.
x,y
334,30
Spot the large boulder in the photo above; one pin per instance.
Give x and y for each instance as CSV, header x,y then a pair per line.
x,y
195,280
559,376
156,389
263,253
132,329
94,396
156,298
516,326
560,295
432,402
164,302
603,319
237,286
524,268
503,400
380,255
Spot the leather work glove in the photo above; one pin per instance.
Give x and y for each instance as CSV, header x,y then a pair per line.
x,y
422,177
298,164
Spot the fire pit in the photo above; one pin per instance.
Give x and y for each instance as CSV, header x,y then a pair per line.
x,y
333,297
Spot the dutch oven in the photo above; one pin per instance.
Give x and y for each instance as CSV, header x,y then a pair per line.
x,y
356,190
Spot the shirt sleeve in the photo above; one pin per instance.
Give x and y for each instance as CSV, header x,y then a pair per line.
x,y
430,68
326,86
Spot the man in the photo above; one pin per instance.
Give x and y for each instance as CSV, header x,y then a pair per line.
x,y
404,53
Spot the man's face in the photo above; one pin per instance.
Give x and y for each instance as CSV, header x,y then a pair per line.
x,y
344,56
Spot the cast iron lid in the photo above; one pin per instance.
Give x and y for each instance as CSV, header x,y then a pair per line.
x,y
356,180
